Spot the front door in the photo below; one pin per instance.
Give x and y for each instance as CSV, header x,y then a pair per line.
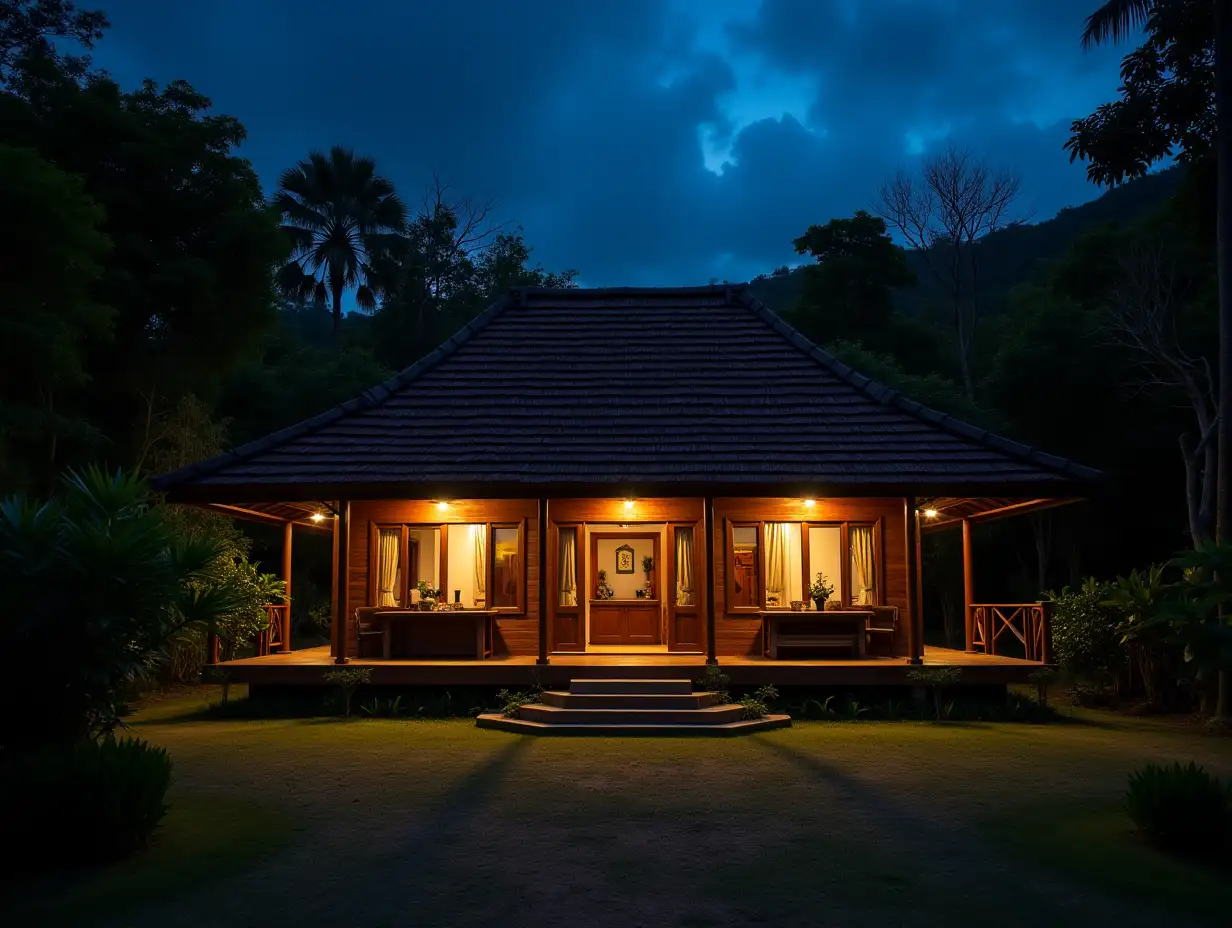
x,y
625,604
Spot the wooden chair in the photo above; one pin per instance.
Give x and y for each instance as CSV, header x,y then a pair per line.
x,y
883,629
367,630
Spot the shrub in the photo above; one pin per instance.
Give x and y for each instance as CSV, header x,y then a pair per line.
x,y
713,680
1180,809
511,702
86,802
936,679
758,704
1085,637
348,681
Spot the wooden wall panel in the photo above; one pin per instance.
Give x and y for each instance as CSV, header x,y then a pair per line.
x,y
613,510
741,635
515,634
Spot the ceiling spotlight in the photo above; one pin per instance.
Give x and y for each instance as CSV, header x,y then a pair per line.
x,y
628,504
318,517
442,506
930,513
810,503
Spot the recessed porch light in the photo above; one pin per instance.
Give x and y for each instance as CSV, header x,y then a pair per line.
x,y
930,513
628,505
810,503
442,506
318,517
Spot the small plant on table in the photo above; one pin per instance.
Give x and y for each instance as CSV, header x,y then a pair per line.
x,y
821,590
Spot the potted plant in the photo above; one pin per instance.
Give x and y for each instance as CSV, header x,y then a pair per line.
x,y
821,591
647,567
604,590
427,596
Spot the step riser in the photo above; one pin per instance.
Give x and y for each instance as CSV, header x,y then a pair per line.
x,y
631,717
520,726
610,701
631,687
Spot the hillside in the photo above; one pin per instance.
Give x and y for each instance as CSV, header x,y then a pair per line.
x,y
1009,256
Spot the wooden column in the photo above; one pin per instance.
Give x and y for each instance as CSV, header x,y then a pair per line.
x,y
286,579
543,581
911,524
968,587
708,521
342,530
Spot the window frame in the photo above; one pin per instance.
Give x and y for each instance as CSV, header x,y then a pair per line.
x,y
375,529
844,584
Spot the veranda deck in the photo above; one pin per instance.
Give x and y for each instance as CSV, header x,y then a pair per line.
x,y
307,666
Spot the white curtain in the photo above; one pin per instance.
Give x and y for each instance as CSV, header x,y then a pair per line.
x,y
568,567
863,565
684,567
776,563
389,549
479,540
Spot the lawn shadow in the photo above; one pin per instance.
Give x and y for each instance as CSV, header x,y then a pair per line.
x,y
954,852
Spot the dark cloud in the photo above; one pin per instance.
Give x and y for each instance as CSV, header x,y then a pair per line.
x,y
585,121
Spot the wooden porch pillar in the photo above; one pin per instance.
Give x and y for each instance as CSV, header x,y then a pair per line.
x,y
708,522
342,530
915,621
286,579
968,587
543,581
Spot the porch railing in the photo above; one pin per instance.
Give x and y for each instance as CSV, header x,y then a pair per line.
x,y
995,625
276,637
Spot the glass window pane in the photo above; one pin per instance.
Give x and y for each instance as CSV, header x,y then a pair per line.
x,y
746,584
567,594
425,559
863,565
467,574
506,568
826,557
685,594
389,567
783,563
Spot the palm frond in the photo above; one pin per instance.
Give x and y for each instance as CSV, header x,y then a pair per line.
x,y
1115,21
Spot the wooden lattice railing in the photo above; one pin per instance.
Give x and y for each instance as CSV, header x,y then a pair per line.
x,y
994,624
277,637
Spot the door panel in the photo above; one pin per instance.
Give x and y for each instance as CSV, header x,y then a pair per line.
x,y
641,624
606,623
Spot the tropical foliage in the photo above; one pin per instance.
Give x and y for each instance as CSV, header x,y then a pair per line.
x,y
1180,808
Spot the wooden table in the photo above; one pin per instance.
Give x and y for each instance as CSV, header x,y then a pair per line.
x,y
830,628
482,619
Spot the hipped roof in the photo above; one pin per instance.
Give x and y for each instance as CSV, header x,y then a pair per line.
x,y
638,390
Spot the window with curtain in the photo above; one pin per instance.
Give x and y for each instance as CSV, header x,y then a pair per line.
x,y
389,567
568,567
863,565
826,556
784,567
684,567
745,569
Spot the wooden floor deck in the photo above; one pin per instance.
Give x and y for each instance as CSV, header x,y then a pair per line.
x,y
307,666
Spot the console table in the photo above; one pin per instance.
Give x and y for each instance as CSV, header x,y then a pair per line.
x,y
823,629
479,619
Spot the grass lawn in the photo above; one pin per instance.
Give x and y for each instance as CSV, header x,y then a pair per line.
x,y
379,822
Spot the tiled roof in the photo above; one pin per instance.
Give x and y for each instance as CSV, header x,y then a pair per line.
x,y
683,386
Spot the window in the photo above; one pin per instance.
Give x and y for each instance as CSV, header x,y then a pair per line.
x,y
475,565
770,565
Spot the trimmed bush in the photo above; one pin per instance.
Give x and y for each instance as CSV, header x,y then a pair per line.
x,y
1182,810
1085,631
83,803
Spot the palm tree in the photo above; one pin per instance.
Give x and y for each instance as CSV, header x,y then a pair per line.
x,y
343,220
1112,22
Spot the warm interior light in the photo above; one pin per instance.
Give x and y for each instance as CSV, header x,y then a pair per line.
x,y
930,513
442,506
318,517
628,504
810,503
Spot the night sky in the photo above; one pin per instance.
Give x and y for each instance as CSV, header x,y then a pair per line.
x,y
640,141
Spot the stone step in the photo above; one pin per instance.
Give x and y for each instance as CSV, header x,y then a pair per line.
x,y
712,715
562,700
608,729
592,687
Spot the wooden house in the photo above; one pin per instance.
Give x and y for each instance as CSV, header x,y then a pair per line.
x,y
634,477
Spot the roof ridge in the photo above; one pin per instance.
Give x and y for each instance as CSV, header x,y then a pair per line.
x,y
890,397
368,399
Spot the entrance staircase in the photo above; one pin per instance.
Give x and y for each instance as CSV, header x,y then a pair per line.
x,y
631,707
